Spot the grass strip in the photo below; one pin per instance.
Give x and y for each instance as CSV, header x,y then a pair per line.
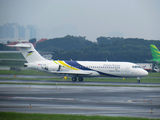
x,y
36,116
63,84
128,80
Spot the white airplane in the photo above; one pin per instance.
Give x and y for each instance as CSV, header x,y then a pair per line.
x,y
79,69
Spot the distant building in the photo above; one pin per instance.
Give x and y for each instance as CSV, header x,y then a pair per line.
x,y
14,31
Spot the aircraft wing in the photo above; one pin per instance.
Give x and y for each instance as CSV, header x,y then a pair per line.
x,y
73,72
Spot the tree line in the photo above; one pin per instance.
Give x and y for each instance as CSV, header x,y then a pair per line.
x,y
106,48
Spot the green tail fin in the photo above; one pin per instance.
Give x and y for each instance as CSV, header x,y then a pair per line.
x,y
155,52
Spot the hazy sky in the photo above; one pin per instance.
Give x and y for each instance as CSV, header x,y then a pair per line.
x,y
90,18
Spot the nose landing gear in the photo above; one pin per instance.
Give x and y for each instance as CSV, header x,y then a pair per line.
x,y
138,79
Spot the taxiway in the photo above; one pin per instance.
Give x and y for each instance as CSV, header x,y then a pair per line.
x,y
83,100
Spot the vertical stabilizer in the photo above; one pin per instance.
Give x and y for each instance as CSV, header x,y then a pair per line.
x,y
29,52
155,52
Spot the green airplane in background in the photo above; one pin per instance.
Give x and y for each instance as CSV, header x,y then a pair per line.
x,y
155,54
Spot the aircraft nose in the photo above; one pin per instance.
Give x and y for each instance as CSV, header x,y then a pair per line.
x,y
145,73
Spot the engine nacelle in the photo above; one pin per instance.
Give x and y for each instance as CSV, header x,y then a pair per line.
x,y
43,66
30,65
54,67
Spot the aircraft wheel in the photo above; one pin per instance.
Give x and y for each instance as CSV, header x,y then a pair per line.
x,y
74,79
138,79
80,79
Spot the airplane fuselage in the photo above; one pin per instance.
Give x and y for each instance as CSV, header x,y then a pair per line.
x,y
94,69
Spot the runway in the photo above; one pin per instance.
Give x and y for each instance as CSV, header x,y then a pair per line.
x,y
82,100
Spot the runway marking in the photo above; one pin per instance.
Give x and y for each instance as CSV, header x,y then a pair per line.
x,y
38,98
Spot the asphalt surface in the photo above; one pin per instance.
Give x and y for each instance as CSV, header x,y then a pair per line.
x,y
82,100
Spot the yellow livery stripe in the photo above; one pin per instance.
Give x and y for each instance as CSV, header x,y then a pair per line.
x,y
154,46
66,65
55,61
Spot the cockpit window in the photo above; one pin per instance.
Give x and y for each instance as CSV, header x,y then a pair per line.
x,y
136,67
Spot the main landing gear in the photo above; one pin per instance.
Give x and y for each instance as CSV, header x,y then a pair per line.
x,y
138,79
74,79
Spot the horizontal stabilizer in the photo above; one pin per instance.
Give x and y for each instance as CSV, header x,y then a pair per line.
x,y
153,61
20,45
73,72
